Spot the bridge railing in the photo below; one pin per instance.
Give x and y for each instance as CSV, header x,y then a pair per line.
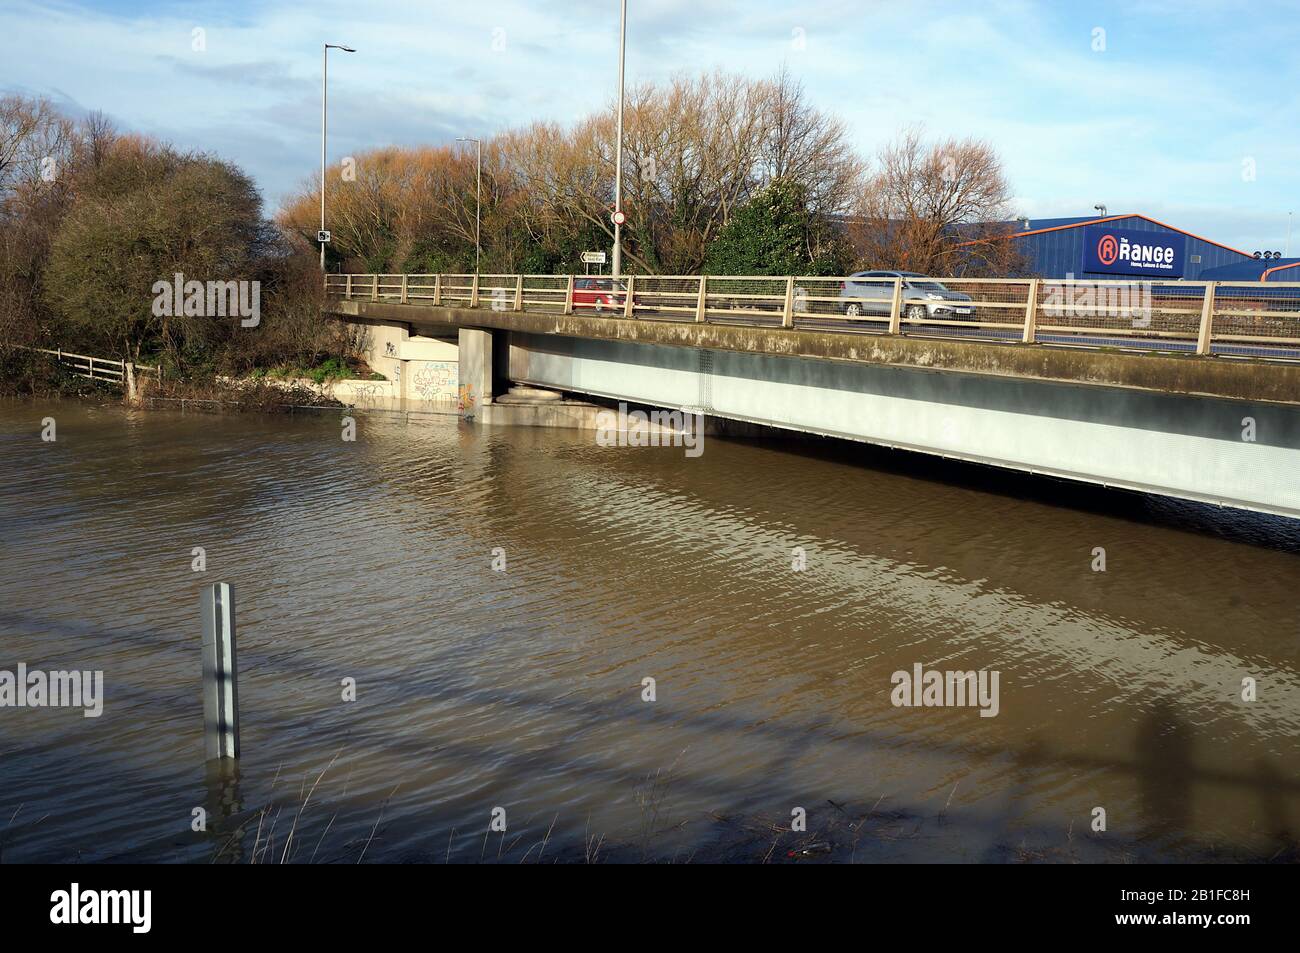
x,y
1241,318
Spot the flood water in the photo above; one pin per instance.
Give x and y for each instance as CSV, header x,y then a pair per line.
x,y
524,689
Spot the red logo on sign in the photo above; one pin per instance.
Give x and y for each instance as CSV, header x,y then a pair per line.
x,y
1107,250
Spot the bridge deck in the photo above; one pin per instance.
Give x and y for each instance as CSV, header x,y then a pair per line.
x,y
1258,320
1168,371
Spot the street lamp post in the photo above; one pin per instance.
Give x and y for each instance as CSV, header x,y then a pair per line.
x,y
617,268
324,95
478,196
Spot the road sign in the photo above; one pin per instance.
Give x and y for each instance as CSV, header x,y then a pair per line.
x,y
322,236
619,218
593,257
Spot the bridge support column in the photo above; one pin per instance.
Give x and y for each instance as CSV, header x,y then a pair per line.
x,y
475,370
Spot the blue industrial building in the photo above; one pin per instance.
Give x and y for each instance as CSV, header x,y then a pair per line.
x,y
1135,247
1257,269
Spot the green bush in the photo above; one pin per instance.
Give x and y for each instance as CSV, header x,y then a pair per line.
x,y
775,234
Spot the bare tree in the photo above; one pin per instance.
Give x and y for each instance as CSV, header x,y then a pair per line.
x,y
98,135
804,145
38,163
36,144
695,150
390,206
922,202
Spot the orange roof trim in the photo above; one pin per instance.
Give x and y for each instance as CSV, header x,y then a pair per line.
x,y
1269,271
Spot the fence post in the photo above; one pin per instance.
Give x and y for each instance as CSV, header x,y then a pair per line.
x,y
1207,318
405,278
348,293
701,306
220,673
437,289
627,301
374,287
473,292
519,292
787,314
568,296
1031,313
896,308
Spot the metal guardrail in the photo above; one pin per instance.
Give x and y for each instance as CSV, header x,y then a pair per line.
x,y
1232,318
96,368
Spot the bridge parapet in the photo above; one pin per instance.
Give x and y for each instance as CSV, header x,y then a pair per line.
x,y
1259,320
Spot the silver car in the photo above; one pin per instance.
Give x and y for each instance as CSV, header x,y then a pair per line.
x,y
872,293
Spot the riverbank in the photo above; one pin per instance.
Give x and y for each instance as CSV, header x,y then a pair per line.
x,y
29,373
35,375
228,395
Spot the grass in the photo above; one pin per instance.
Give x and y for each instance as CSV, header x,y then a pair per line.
x,y
331,369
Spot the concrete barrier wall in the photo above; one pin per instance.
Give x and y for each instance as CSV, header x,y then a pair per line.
x,y
418,367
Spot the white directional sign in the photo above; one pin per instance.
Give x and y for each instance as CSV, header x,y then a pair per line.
x,y
593,258
323,235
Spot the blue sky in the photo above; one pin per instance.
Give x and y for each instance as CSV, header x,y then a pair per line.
x,y
1188,113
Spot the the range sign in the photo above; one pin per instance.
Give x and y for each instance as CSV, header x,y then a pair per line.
x,y
1127,251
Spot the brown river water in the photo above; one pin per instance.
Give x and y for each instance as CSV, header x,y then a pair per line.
x,y
524,689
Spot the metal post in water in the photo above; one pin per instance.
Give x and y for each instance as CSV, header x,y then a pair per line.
x,y
220,673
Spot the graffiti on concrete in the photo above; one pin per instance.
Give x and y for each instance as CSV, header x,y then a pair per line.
x,y
435,379
466,400
366,391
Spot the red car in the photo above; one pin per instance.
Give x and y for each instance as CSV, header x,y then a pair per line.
x,y
599,294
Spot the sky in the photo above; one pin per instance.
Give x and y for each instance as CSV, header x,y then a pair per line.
x,y
1184,110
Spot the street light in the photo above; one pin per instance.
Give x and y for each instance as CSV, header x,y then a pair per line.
x,y
324,93
618,151
478,196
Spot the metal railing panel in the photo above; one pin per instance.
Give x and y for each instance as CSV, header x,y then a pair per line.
x,y
1255,318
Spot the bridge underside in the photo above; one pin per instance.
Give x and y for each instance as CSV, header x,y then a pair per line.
x,y
1218,431
1191,447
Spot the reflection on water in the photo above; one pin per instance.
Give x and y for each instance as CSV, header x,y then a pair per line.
x,y
523,689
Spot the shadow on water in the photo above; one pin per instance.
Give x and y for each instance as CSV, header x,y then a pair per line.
x,y
1166,773
1231,525
1163,767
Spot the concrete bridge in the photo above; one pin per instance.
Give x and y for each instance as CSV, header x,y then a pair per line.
x,y
1191,398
